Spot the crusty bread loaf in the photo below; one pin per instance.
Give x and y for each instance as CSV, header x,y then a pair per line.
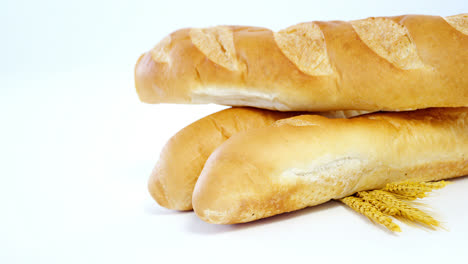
x,y
384,63
173,178
182,158
307,160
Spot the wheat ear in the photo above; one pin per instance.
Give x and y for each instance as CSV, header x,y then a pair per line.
x,y
370,212
404,209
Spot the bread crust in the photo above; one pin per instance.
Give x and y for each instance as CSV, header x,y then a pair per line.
x,y
385,63
307,160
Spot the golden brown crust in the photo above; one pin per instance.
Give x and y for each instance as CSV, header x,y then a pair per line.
x,y
307,160
387,63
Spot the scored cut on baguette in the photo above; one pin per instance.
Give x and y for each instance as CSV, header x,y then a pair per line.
x,y
379,63
307,160
174,176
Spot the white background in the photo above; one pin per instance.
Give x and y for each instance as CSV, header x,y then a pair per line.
x,y
77,146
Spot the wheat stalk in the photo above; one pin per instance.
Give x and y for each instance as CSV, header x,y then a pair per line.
x,y
379,205
370,212
383,207
404,209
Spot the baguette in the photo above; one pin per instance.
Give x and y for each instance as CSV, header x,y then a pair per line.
x,y
384,63
173,178
307,160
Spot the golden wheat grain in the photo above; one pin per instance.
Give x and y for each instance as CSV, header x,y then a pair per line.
x,y
413,190
404,209
370,212
378,205
407,197
383,207
435,185
410,188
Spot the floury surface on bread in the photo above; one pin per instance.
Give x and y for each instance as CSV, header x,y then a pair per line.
x,y
307,160
382,63
173,178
